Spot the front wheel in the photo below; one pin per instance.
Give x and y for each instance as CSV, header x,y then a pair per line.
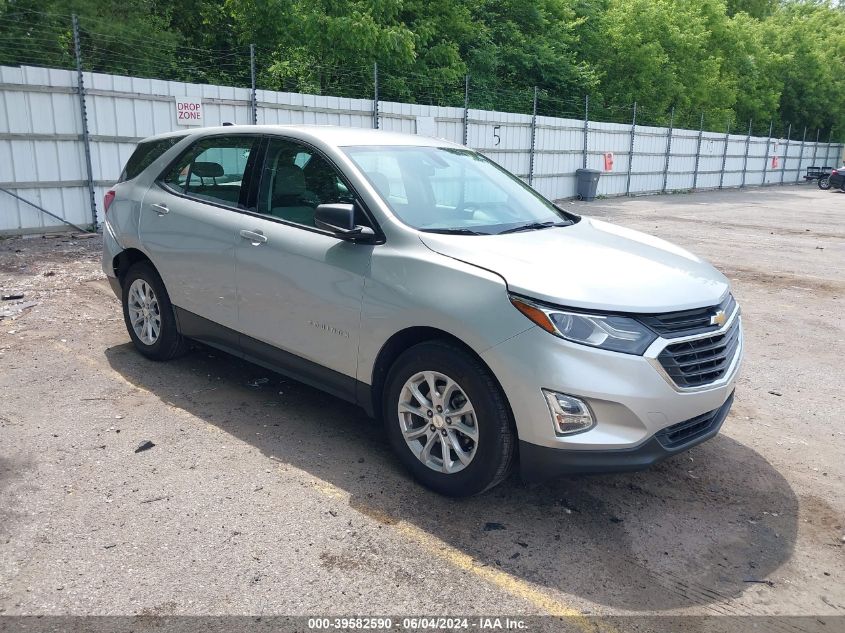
x,y
824,183
149,315
447,419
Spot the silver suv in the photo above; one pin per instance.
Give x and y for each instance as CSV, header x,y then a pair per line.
x,y
423,282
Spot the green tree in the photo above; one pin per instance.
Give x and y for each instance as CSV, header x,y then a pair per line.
x,y
531,43
663,54
128,42
755,8
730,59
812,37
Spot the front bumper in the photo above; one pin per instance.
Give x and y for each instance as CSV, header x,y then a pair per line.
x,y
539,463
631,399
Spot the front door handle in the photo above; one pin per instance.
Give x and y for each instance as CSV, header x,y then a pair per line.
x,y
161,209
256,237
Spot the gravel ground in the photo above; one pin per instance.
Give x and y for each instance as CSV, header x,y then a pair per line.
x,y
268,497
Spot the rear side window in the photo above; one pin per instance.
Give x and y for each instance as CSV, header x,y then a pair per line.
x,y
145,154
213,169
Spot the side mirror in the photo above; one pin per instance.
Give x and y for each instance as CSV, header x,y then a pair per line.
x,y
340,220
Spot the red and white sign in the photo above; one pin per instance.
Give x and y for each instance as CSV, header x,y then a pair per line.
x,y
608,161
188,111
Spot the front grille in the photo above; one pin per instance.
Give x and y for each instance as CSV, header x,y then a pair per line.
x,y
688,322
683,433
701,361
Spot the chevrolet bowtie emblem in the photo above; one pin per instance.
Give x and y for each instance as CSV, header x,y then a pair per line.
x,y
719,318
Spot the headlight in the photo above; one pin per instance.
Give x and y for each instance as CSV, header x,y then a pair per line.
x,y
610,332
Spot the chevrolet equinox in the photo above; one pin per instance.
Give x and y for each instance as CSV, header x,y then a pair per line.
x,y
421,281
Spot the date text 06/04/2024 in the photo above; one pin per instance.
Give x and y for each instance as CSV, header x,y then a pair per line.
x,y
417,623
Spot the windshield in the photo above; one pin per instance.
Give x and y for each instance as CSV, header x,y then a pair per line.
x,y
450,190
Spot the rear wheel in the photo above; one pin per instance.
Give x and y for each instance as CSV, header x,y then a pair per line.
x,y
447,419
824,182
148,314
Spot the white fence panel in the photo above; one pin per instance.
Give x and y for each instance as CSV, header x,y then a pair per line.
x,y
682,160
649,159
42,156
558,152
39,143
612,138
710,160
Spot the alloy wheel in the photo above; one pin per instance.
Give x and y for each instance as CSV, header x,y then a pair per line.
x,y
144,312
438,422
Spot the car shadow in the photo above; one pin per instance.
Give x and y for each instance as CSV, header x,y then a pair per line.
x,y
693,530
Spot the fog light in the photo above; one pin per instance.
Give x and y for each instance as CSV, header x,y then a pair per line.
x,y
569,414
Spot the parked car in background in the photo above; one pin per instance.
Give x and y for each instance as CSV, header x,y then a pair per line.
x,y
820,174
419,280
834,180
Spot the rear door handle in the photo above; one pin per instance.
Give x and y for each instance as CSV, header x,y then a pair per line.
x,y
256,237
161,209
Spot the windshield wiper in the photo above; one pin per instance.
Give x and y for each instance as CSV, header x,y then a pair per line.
x,y
455,231
533,226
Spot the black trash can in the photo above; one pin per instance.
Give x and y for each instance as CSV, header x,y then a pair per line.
x,y
587,183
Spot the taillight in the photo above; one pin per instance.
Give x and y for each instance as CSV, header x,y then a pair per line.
x,y
834,172
107,199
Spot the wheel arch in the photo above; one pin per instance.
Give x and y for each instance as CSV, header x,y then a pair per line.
x,y
124,260
407,338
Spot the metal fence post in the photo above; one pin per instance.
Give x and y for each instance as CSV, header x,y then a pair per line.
x,y
785,153
533,139
466,109
668,150
586,127
745,158
725,154
252,95
816,147
698,153
801,155
86,141
829,140
766,162
631,152
375,95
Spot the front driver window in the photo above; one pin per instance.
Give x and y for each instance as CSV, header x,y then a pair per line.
x,y
296,180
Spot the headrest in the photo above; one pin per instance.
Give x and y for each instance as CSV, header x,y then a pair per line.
x,y
290,181
207,170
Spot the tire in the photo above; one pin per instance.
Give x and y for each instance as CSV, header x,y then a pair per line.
x,y
167,343
824,183
489,455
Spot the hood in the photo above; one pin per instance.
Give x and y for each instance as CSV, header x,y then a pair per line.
x,y
592,265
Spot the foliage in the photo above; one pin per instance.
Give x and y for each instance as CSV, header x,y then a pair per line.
x,y
812,36
732,60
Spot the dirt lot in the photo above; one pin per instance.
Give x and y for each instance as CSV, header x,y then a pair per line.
x,y
273,498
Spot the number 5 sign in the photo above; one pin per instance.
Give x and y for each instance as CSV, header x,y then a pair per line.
x,y
188,111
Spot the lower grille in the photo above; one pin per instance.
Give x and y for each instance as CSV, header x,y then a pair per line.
x,y
701,361
682,433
